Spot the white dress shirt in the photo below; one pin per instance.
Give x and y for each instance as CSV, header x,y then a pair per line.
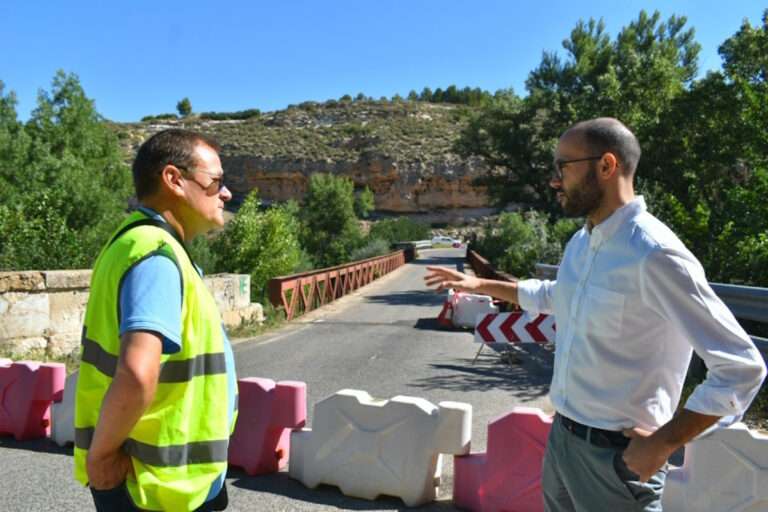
x,y
630,302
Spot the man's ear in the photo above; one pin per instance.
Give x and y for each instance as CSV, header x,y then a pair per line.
x,y
609,166
171,180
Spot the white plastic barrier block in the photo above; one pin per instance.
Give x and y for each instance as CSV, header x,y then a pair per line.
x,y
63,415
370,447
468,305
726,470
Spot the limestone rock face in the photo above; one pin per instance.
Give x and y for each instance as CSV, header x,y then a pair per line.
x,y
398,187
405,152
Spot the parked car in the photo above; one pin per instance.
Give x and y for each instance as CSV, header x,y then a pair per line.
x,y
446,240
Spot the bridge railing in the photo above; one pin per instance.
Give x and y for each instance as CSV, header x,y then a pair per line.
x,y
299,293
483,268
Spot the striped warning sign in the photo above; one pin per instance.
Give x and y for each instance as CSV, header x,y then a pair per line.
x,y
517,327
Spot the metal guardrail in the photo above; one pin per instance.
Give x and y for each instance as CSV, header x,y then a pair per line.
x,y
746,302
299,293
546,271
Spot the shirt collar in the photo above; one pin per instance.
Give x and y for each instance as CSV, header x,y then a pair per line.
x,y
149,212
609,226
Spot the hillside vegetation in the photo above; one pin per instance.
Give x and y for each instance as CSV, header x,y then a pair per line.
x,y
333,131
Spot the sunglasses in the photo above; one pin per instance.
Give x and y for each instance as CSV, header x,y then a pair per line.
x,y
217,181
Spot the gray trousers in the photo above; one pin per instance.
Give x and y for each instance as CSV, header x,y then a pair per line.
x,y
580,477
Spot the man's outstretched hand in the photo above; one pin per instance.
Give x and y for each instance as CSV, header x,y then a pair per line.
x,y
443,278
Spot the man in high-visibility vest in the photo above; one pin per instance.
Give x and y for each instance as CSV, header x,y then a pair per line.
x,y
156,396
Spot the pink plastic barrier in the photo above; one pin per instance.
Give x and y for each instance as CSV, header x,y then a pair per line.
x,y
267,413
27,389
507,478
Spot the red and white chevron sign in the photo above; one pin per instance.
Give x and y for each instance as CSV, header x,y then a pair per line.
x,y
517,327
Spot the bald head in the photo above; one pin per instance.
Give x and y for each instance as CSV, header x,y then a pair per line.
x,y
608,135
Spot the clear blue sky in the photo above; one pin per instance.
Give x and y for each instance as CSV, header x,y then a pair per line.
x,y
140,57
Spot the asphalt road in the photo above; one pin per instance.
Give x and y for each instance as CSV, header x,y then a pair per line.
x,y
383,339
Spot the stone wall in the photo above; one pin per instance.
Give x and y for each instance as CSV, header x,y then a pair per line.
x,y
43,310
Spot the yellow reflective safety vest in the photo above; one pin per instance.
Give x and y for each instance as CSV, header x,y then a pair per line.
x,y
179,446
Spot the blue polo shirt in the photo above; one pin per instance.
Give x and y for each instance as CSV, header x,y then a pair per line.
x,y
150,300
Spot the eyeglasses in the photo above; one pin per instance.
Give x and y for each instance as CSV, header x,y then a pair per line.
x,y
559,164
218,179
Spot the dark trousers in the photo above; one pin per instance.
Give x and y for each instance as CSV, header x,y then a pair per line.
x,y
580,475
118,500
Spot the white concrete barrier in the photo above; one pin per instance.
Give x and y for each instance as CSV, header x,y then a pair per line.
x,y
63,415
369,447
726,470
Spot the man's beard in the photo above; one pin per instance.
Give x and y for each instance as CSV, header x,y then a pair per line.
x,y
585,197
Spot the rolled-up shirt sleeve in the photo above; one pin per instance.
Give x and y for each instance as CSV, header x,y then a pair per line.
x,y
535,296
674,284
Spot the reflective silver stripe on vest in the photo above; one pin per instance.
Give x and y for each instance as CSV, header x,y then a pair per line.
x,y
83,437
184,370
94,354
199,452
171,371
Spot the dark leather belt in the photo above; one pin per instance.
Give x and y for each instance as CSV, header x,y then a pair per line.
x,y
596,436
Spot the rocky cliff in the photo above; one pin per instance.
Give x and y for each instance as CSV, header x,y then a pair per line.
x,y
403,151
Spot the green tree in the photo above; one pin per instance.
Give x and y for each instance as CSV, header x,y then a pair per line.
x,y
517,241
14,148
451,94
364,203
635,78
264,244
331,230
184,106
710,160
65,183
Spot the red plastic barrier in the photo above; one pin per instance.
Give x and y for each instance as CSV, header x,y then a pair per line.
x,y
267,414
27,390
507,478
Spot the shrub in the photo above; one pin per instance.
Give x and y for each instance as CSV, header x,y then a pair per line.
x,y
159,117
374,247
401,229
203,254
517,241
237,115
